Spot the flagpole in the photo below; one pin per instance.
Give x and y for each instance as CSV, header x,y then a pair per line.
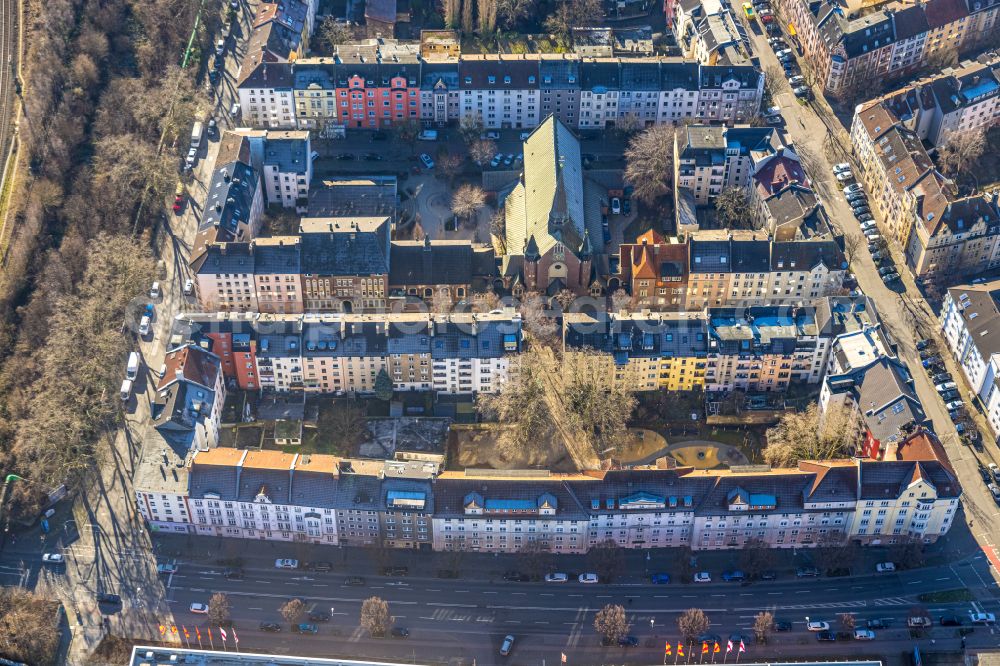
x,y
197,632
677,652
690,647
236,639
210,639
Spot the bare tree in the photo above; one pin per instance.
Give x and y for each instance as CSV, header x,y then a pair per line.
x,y
468,16
451,9
375,616
594,401
942,58
853,244
292,610
467,201
834,551
763,626
450,164
733,207
29,626
345,421
847,621
692,623
755,556
606,558
470,127
333,32
960,150
649,162
907,553
572,13
538,320
620,300
407,132
486,10
219,610
535,558
611,624
518,405
510,12
482,151
804,435
774,82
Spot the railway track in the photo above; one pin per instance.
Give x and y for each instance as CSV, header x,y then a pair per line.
x,y
9,16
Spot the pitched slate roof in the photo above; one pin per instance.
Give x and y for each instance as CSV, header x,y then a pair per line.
x,y
806,254
231,194
451,494
430,262
979,306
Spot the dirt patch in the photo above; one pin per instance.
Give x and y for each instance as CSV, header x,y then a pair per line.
x,y
475,447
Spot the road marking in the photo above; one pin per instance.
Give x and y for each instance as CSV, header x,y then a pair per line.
x,y
255,608
773,593
496,593
945,578
915,582
546,594
431,589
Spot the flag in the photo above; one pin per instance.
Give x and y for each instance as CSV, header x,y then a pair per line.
x,y
666,650
222,632
704,647
163,630
197,633
742,647
236,639
209,629
186,634
562,657
680,649
717,648
173,628
729,647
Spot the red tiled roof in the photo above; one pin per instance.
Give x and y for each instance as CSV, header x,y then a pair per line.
x,y
943,12
190,363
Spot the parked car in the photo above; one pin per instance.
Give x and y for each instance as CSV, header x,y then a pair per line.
x,y
783,52
286,564
616,206
305,628
628,641
954,404
782,625
733,576
272,627
941,377
108,598
233,574
588,578
626,206
864,635
395,571
53,559
703,577
795,80
801,91
945,386
857,197
427,161
865,217
319,616
841,167
490,135
932,361
877,623
769,575
891,277
994,491
853,188
144,326
868,224
507,645
982,618
516,577
844,176
399,632
507,161
188,287
198,608
885,567
951,621
804,572
556,578
497,159
167,568
818,626
659,579
860,209
354,581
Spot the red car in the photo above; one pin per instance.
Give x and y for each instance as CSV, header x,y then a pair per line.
x,y
178,203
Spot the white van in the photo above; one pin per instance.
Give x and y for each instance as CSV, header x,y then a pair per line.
x,y
126,390
132,369
144,326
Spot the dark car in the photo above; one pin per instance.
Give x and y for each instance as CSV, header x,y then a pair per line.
x,y
659,579
921,344
951,621
354,581
626,206
233,574
319,616
769,575
877,623
305,628
322,566
733,576
948,396
379,136
628,641
803,572
272,627
108,598
345,157
516,577
826,636
395,571
782,625
941,378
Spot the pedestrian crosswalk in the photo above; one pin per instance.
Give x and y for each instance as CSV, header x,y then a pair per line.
x,y
883,601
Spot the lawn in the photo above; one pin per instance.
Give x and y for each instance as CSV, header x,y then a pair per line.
x,y
946,596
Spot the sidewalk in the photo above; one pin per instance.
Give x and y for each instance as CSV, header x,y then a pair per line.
x,y
637,567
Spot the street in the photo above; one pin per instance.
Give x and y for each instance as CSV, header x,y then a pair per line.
x,y
905,313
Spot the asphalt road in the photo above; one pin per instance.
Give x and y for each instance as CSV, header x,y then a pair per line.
x,y
904,312
467,619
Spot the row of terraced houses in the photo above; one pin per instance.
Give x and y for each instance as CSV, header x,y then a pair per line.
x,y
910,492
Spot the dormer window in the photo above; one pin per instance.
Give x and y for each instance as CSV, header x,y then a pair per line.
x,y
506,80
531,79
491,79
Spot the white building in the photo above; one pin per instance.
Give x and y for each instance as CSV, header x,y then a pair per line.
x,y
266,94
970,319
502,90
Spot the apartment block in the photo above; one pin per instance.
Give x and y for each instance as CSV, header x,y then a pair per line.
x,y
944,234
970,320
849,51
373,86
190,393
344,353
709,158
911,493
